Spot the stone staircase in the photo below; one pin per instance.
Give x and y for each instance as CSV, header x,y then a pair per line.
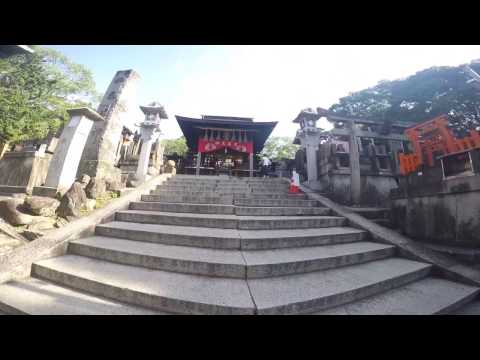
x,y
210,245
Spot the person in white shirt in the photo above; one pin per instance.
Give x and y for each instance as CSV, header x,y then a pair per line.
x,y
265,165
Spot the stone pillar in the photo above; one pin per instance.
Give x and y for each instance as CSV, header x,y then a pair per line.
x,y
199,160
311,146
118,107
65,161
144,158
309,142
355,184
250,159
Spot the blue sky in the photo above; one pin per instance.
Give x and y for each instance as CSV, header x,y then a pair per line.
x,y
268,83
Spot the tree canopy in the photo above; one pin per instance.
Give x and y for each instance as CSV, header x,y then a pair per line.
x,y
175,146
277,148
37,89
422,96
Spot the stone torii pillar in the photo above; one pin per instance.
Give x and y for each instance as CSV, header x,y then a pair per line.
x,y
354,156
149,133
355,181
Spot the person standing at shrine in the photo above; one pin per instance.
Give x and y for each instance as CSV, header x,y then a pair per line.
x,y
265,165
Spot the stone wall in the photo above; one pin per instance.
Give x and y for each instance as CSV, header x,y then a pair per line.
x,y
447,213
375,190
24,168
334,180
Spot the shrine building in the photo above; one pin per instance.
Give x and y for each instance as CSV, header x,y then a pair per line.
x,y
224,144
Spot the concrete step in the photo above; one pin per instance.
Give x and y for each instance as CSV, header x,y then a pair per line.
x,y
281,211
291,238
312,292
37,297
223,193
185,219
428,296
270,196
203,185
288,222
207,182
183,207
230,238
155,289
269,191
182,259
191,199
281,262
228,263
196,177
227,209
185,188
229,221
172,235
7,189
260,188
190,192
275,202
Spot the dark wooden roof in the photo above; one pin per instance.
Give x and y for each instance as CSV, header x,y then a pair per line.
x,y
191,128
9,50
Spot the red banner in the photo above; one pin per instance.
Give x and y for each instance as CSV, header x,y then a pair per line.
x,y
214,145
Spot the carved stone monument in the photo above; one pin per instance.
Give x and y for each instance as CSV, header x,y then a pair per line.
x,y
117,108
63,167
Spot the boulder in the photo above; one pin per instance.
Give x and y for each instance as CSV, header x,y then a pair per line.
x,y
73,201
7,230
115,185
170,167
43,224
84,180
90,204
7,243
153,171
9,212
61,222
32,235
96,188
42,206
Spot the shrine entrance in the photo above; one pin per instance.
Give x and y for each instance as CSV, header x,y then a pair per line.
x,y
224,145
226,161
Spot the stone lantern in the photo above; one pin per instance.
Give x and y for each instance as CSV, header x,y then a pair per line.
x,y
149,133
309,140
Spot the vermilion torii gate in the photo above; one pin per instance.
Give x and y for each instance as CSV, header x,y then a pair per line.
x,y
212,134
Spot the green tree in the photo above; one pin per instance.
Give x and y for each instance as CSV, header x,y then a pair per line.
x,y
37,89
279,147
175,146
422,96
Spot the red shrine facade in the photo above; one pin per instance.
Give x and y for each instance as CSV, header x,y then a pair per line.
x,y
224,144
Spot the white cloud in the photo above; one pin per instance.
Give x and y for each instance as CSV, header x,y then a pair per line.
x,y
273,83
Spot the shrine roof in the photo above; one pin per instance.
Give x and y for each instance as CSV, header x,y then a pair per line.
x,y
192,128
